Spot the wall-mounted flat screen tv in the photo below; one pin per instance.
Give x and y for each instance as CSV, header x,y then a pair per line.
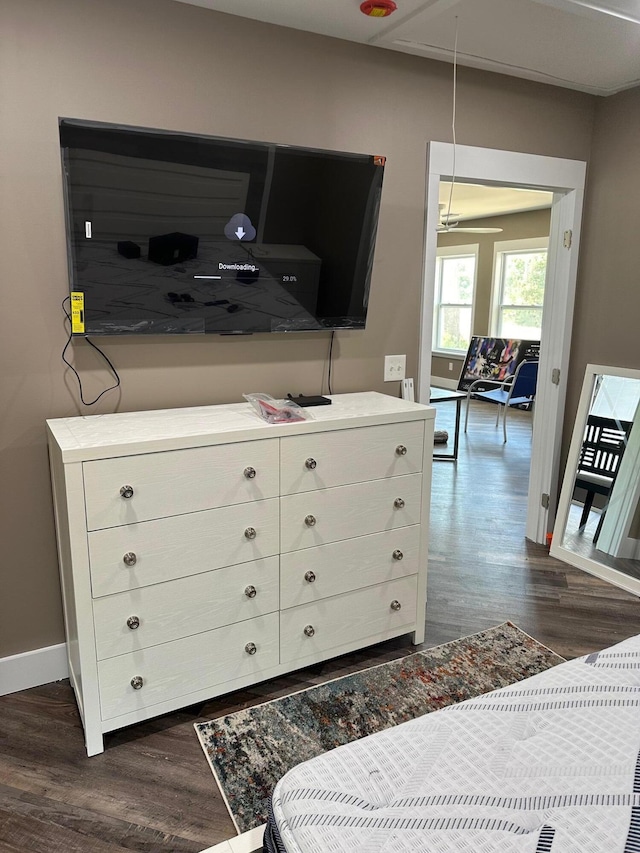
x,y
174,233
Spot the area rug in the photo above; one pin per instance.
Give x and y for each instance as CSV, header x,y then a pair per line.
x,y
248,751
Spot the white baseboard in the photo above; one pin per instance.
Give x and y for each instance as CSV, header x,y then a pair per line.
x,y
442,382
30,669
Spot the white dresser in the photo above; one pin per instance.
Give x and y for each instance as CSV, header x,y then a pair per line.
x,y
202,550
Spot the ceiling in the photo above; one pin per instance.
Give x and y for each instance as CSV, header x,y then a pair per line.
x,y
588,45
474,201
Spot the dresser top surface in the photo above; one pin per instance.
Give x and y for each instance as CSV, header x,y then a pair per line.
x,y
98,436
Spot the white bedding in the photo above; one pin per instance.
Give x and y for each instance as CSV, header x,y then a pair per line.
x,y
548,765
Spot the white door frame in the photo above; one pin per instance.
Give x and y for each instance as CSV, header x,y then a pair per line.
x,y
564,178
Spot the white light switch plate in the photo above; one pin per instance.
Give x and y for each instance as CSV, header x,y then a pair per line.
x,y
394,368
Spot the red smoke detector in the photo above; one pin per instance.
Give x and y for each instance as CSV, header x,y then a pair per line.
x,y
378,8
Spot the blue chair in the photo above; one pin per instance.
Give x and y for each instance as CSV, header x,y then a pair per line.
x,y
518,390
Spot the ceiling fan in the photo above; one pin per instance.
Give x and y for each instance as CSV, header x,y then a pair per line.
x,y
449,222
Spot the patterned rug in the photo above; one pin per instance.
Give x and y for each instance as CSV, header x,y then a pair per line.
x,y
248,751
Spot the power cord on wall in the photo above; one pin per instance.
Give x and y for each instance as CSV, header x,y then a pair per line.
x,y
115,372
447,217
330,362
68,363
303,400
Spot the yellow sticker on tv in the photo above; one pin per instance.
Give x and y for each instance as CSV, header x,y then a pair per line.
x,y
77,312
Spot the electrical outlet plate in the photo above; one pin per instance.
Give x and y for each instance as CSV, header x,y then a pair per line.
x,y
394,368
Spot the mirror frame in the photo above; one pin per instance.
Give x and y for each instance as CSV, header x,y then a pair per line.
x,y
557,549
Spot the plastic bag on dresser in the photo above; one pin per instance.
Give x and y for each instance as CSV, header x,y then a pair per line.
x,y
277,411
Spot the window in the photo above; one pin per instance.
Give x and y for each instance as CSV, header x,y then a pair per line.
x,y
520,268
454,290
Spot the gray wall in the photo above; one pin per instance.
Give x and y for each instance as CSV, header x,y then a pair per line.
x,y
607,309
162,64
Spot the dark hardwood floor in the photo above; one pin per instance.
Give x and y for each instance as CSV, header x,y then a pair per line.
x,y
582,544
152,790
481,568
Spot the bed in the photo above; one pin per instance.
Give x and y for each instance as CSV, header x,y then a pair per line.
x,y
548,765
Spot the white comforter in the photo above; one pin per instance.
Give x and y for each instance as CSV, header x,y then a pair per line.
x,y
548,764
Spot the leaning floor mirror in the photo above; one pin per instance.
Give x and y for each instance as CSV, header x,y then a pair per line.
x,y
598,522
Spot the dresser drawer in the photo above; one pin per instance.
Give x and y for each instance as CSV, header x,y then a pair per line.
x,y
330,515
168,611
316,573
324,460
137,555
311,630
176,669
179,481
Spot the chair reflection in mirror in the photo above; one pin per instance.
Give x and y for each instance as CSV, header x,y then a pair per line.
x,y
604,459
605,440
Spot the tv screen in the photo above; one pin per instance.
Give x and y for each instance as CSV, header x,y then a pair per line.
x,y
495,359
172,233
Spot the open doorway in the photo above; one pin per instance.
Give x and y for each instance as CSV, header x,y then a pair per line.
x,y
565,180
490,270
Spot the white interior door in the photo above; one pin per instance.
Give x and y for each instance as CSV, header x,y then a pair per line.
x,y
565,178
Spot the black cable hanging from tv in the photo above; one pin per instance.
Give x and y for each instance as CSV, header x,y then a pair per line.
x,y
97,348
330,363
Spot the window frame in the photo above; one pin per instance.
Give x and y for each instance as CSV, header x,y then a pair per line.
x,y
501,248
462,251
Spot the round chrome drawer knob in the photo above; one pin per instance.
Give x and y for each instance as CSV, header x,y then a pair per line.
x,y
310,577
397,554
310,520
133,622
401,450
126,492
129,559
137,681
395,605
250,533
398,503
250,591
249,473
309,631
251,648
311,463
